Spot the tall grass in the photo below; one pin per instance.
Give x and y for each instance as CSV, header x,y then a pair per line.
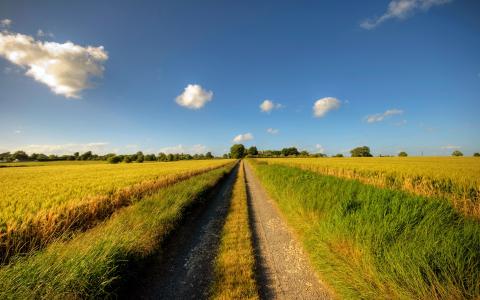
x,y
34,231
95,262
454,178
369,242
234,276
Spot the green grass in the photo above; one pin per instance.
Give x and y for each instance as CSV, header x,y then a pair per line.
x,y
92,264
370,242
234,276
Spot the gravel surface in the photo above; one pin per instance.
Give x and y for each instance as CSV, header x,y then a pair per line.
x,y
283,269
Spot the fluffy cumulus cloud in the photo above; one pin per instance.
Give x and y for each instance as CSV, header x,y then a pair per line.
x,y
382,116
5,23
401,9
268,105
243,138
41,33
319,148
322,106
272,130
65,68
194,97
195,149
60,149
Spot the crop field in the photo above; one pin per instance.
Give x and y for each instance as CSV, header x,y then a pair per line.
x,y
366,240
454,178
39,203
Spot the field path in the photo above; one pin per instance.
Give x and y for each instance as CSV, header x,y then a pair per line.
x,y
184,268
283,270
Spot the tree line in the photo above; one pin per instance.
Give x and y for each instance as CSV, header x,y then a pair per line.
x,y
22,156
239,151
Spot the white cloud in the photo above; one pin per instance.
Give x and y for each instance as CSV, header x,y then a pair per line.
x,y
322,106
61,149
194,97
319,148
18,131
195,149
5,23
272,130
380,117
450,147
41,33
401,9
268,105
65,68
243,138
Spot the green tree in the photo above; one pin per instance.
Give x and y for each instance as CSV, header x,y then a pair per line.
x,y
402,154
237,151
86,156
457,153
20,155
290,151
361,152
114,159
338,155
127,159
476,154
304,153
252,151
208,155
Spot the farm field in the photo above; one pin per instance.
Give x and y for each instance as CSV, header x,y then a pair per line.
x,y
40,203
455,178
367,241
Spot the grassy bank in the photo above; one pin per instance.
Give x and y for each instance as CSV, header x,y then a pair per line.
x,y
234,265
92,264
454,178
370,242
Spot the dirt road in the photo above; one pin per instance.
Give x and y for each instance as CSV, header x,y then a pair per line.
x,y
184,268
283,270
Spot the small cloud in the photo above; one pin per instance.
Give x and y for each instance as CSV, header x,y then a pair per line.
x,y
18,131
322,106
401,9
5,23
65,68
382,116
319,148
268,105
272,131
450,147
400,123
131,146
194,97
41,33
195,149
243,138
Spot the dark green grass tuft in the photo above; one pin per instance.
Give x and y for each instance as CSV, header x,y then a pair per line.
x,y
369,242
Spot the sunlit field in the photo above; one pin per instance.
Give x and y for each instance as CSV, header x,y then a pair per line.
x,y
39,203
455,178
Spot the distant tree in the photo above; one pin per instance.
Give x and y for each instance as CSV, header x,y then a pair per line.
x,y
402,154
252,151
150,157
127,159
114,159
361,152
225,156
161,156
290,151
304,153
237,151
86,156
476,154
76,155
338,155
208,155
140,158
457,153
20,155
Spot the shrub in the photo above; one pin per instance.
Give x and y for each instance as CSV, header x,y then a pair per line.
x,y
403,154
457,153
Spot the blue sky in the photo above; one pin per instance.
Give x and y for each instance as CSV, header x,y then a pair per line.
x,y
393,75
